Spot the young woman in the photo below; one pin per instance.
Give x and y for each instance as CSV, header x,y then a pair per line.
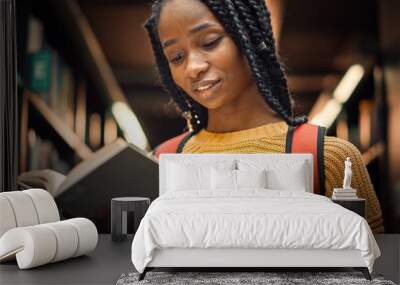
x,y
218,61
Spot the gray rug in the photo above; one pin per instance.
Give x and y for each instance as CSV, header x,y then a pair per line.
x,y
229,278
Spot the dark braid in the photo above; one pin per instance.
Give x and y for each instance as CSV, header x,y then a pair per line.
x,y
264,22
248,23
242,39
258,12
257,38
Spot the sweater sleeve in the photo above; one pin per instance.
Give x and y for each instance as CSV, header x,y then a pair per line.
x,y
335,152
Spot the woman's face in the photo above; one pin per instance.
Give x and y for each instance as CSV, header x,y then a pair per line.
x,y
203,59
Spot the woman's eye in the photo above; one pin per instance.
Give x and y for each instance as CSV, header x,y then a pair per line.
x,y
176,58
208,45
213,43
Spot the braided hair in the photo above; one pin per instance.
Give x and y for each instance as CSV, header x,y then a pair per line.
x,y
248,23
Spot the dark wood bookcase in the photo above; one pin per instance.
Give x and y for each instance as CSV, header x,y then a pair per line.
x,y
65,90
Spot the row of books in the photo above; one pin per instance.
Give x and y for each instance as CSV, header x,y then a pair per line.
x,y
63,88
48,75
44,155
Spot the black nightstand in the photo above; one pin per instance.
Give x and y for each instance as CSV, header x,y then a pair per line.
x,y
355,205
119,208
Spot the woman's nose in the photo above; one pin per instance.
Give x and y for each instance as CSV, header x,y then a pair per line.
x,y
196,65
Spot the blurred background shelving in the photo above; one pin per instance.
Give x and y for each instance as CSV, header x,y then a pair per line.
x,y
70,102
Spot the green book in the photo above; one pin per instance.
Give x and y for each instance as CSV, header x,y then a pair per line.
x,y
40,71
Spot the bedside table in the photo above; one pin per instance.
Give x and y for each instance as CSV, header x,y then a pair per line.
x,y
119,209
355,205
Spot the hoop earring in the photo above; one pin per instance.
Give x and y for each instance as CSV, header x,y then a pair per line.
x,y
188,116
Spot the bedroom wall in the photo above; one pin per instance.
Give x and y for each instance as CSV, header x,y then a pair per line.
x,y
317,46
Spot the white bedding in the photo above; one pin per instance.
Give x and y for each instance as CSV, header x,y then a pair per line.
x,y
251,218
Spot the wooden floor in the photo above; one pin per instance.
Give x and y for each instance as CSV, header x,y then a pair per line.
x,y
110,260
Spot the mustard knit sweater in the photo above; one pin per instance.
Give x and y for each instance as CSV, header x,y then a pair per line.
x,y
271,138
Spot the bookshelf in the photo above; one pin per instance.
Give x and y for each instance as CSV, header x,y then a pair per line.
x,y
60,126
67,88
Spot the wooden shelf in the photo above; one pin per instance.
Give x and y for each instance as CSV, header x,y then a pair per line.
x,y
62,129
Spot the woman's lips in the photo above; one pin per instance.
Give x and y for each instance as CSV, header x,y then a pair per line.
x,y
210,90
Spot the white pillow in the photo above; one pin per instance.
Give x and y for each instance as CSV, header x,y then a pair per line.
x,y
251,178
186,174
185,177
235,179
292,179
223,179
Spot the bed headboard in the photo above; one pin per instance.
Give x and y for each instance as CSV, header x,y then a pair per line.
x,y
269,160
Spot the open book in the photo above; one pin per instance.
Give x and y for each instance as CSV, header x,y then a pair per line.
x,y
119,169
46,179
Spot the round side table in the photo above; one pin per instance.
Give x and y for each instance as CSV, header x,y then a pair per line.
x,y
119,209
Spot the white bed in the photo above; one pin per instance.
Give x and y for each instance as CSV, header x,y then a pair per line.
x,y
248,227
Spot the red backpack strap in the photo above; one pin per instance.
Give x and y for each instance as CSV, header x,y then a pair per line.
x,y
308,138
173,145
